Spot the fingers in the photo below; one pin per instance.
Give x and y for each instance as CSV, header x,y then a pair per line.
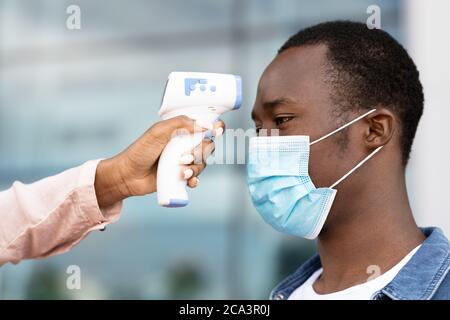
x,y
193,170
190,174
187,158
199,154
193,182
194,163
218,128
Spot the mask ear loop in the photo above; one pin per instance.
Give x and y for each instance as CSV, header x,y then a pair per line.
x,y
356,167
343,127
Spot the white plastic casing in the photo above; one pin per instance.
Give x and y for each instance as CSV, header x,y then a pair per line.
x,y
200,96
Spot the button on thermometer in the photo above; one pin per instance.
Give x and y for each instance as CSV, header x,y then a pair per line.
x,y
200,96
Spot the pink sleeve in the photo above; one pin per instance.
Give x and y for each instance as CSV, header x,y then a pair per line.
x,y
52,215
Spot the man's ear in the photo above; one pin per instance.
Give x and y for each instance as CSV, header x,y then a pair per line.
x,y
381,128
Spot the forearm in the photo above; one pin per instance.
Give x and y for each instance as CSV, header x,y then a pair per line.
x,y
50,216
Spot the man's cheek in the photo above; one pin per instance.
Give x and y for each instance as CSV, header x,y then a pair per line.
x,y
295,127
323,168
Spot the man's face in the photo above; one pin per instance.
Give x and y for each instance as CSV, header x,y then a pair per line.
x,y
294,98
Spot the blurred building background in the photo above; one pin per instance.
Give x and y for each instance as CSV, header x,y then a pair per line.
x,y
67,96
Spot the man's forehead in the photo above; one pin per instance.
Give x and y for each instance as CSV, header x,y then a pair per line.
x,y
293,69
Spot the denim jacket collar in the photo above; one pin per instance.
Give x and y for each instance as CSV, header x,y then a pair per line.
x,y
418,279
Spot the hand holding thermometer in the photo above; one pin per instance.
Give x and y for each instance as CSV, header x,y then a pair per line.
x,y
202,97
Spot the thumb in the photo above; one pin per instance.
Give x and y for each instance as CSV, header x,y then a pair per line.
x,y
163,131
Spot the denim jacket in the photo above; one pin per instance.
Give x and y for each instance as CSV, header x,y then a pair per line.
x,y
424,277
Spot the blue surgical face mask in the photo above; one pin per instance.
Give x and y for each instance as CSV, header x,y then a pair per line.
x,y
281,188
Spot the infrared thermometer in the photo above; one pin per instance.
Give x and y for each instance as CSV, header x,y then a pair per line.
x,y
202,97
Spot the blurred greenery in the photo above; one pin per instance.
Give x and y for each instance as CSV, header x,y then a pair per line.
x,y
46,283
185,281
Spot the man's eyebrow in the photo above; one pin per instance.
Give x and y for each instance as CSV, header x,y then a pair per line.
x,y
277,101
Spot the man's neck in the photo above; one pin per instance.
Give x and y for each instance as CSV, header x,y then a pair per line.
x,y
378,231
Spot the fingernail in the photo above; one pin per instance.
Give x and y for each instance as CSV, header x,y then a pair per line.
x,y
186,159
188,173
197,180
218,132
204,124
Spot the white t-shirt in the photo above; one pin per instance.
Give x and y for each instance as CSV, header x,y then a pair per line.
x,y
364,291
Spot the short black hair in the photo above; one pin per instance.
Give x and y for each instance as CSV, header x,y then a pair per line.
x,y
368,68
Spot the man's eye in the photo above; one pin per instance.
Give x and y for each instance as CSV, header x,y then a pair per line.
x,y
280,120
